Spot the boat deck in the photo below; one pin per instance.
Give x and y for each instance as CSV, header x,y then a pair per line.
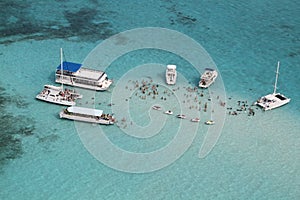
x,y
89,73
272,101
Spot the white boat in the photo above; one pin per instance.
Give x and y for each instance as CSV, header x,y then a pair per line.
x,y
86,115
181,116
208,77
169,112
66,91
195,119
171,74
76,75
156,107
274,100
58,95
210,122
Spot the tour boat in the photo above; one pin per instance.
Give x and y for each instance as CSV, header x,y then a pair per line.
x,y
75,74
58,95
274,100
87,115
171,74
208,78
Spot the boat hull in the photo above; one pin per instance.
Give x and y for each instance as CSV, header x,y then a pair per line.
x,y
62,114
271,101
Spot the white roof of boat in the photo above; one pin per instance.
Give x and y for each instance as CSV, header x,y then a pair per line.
x,y
89,73
85,111
171,66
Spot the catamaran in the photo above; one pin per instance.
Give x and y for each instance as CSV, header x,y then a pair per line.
x,y
171,74
275,99
208,77
58,95
87,115
75,74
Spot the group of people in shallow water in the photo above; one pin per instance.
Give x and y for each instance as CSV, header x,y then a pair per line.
x,y
148,88
242,107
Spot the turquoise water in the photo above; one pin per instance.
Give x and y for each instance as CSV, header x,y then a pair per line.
x,y
257,157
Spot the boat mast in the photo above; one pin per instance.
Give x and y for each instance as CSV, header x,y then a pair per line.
x,y
275,85
61,68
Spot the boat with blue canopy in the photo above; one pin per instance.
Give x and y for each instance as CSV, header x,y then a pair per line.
x,y
75,74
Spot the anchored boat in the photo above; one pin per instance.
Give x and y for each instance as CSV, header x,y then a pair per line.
x,y
75,74
208,77
210,122
169,112
87,115
171,74
156,107
181,116
58,95
274,100
195,119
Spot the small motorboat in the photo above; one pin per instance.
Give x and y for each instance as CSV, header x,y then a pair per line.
x,y
181,116
169,112
195,119
210,122
58,95
208,77
171,74
156,107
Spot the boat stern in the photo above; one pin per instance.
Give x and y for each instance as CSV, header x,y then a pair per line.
x,y
105,84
